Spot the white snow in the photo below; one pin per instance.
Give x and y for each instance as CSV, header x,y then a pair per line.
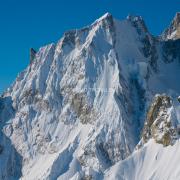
x,y
153,161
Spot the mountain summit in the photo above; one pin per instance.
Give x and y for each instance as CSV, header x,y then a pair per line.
x,y
98,104
173,32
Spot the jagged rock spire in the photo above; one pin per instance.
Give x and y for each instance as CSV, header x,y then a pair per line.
x,y
173,32
137,22
32,54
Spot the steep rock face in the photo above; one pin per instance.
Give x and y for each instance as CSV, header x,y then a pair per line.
x,y
173,32
161,122
171,50
32,55
80,105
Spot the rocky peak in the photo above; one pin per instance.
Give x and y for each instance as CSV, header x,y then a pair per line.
x,y
77,36
177,18
134,18
69,37
161,122
106,21
173,32
138,23
106,16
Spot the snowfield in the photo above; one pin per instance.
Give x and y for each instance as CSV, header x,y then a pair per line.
x,y
152,162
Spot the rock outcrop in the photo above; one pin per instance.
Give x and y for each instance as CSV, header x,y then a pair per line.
x,y
173,32
161,122
32,54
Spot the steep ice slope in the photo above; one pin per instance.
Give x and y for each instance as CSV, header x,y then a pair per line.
x,y
151,162
79,107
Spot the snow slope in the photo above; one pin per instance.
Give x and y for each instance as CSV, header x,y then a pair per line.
x,y
152,162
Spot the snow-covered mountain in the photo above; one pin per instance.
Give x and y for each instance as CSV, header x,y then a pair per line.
x,y
101,103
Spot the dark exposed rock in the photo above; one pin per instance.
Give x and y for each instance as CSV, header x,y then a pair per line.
x,y
138,23
108,22
149,51
159,123
81,107
32,55
147,46
69,37
102,149
1,149
87,177
171,50
179,98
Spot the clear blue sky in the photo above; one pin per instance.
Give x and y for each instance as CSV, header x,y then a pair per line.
x,y
33,23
